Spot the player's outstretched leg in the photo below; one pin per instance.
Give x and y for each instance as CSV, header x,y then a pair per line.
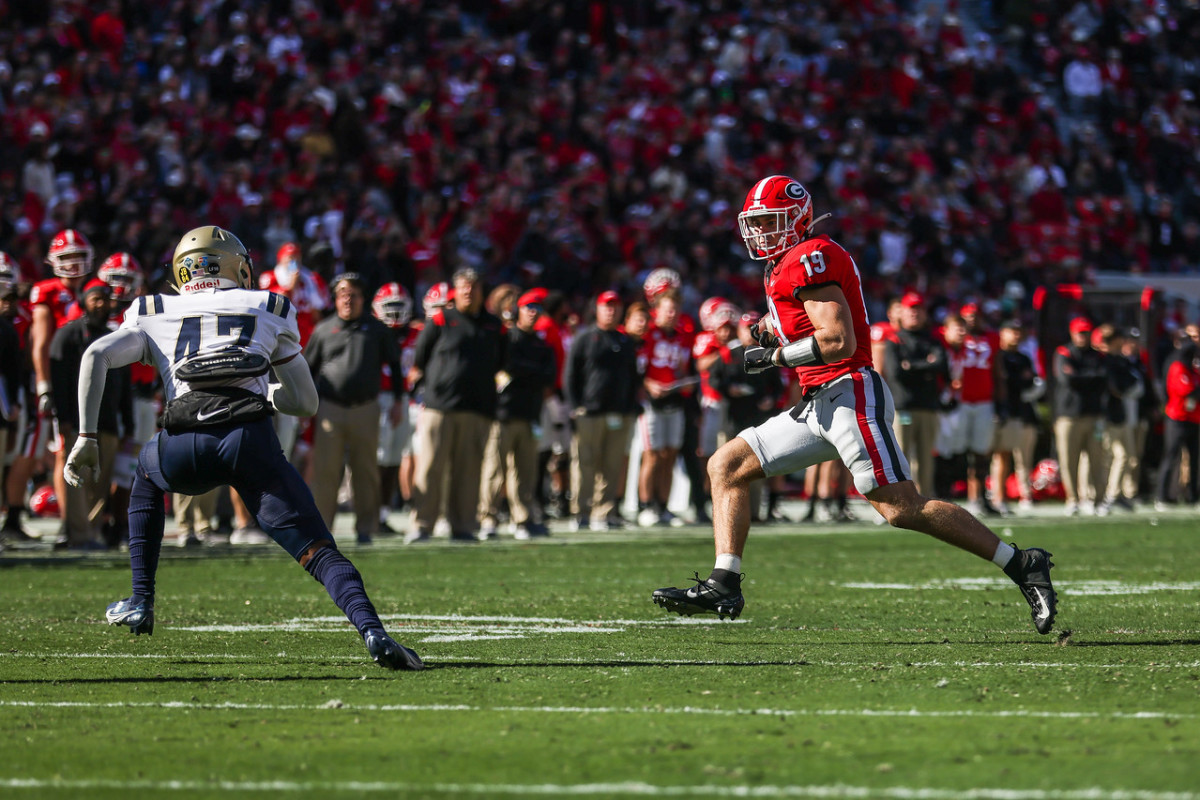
x,y
731,470
344,583
903,507
146,522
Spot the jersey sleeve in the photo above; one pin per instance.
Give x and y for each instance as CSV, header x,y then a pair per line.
x,y
280,314
816,263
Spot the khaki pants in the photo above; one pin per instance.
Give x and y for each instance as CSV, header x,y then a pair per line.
x,y
347,436
511,460
916,431
1018,438
597,463
448,442
194,513
83,507
1074,436
1119,444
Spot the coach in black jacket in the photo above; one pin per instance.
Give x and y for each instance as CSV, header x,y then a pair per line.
x,y
456,357
511,458
600,379
916,370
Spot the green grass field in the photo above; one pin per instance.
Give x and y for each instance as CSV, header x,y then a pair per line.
x,y
868,663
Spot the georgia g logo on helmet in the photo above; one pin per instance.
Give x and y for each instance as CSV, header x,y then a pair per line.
x,y
776,216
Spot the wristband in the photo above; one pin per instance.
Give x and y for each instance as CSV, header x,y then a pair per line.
x,y
88,436
43,387
803,353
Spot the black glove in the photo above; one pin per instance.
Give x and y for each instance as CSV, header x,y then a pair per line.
x,y
758,359
763,335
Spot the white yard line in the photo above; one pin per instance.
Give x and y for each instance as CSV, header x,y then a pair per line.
x,y
631,789
1070,588
680,710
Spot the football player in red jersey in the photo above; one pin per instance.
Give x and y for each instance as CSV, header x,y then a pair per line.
x,y
972,423
392,305
818,326
670,376
719,319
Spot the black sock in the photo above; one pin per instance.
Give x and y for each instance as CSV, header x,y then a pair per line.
x,y
730,580
344,584
14,517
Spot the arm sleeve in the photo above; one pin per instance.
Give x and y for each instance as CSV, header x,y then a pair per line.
x,y
571,372
297,393
119,349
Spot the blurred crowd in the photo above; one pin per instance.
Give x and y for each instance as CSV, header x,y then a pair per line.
x,y
968,156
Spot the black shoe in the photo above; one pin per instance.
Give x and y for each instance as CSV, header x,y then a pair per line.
x,y
466,537
15,537
702,517
385,529
389,653
363,538
1030,570
706,597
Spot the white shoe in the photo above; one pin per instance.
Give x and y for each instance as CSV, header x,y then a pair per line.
x,y
975,507
1071,509
487,529
598,526
1159,505
441,527
248,536
647,518
1025,506
1103,510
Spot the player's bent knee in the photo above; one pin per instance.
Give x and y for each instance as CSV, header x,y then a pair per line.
x,y
734,464
899,504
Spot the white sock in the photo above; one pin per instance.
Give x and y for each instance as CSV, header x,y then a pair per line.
x,y
1004,554
729,562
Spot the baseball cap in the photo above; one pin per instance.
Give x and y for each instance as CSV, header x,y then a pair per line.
x,y
96,285
607,298
1081,325
911,300
1012,324
968,309
533,297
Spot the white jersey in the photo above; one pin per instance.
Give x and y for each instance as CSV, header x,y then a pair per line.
x,y
176,328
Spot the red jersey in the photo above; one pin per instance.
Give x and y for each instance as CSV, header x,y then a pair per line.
x,y
978,367
55,295
668,360
1182,381
815,262
308,294
883,332
705,345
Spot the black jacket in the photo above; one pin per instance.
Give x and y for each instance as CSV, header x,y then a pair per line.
x,y
751,399
1019,375
66,358
1080,382
347,358
1123,375
917,386
528,371
460,355
601,373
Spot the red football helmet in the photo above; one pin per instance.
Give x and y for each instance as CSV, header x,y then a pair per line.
x,y
437,297
70,254
661,280
717,311
1045,482
44,503
392,305
776,216
10,274
123,273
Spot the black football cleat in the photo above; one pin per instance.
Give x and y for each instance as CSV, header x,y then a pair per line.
x,y
389,653
1030,570
134,612
706,597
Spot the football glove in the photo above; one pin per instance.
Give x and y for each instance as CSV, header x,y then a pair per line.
x,y
83,464
763,334
758,359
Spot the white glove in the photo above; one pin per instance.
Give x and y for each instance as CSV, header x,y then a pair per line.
x,y
83,463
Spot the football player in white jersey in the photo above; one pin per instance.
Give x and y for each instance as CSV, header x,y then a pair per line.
x,y
216,346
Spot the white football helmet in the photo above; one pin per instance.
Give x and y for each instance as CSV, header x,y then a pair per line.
x,y
123,273
392,305
211,258
717,311
70,254
660,280
10,274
